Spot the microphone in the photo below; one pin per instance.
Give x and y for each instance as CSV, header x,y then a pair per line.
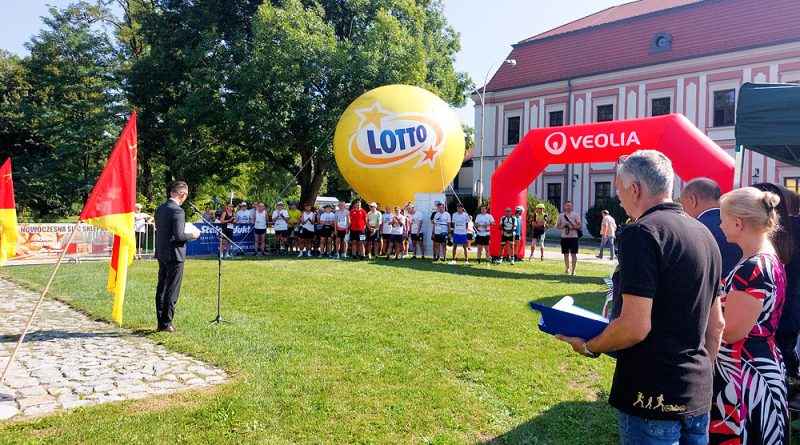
x,y
194,208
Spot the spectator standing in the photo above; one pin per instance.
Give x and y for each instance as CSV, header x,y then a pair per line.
x,y
327,220
307,222
386,230
508,231
243,215
260,229
749,401
228,221
373,233
608,230
294,226
397,226
483,225
208,215
519,213
358,223
140,221
539,225
280,224
342,224
441,230
415,220
460,220
570,223
700,200
666,318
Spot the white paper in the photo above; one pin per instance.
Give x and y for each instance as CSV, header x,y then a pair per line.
x,y
567,304
190,228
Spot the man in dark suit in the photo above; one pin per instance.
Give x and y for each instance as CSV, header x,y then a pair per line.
x,y
700,200
171,253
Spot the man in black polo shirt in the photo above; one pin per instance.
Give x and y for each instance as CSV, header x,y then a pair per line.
x,y
667,320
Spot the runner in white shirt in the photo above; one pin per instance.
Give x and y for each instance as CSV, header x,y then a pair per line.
x,y
307,220
280,224
483,224
327,220
396,227
342,216
441,229
243,216
386,230
415,220
260,229
460,221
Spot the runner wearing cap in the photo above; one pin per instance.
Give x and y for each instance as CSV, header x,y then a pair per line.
x,y
483,222
243,215
373,232
508,229
397,225
441,229
327,220
358,223
342,224
280,225
227,219
414,220
539,224
260,229
294,225
460,220
386,230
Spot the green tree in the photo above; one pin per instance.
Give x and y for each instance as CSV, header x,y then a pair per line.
x,y
312,58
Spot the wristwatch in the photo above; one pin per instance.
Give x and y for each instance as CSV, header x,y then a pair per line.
x,y
589,353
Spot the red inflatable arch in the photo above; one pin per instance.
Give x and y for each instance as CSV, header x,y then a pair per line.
x,y
692,153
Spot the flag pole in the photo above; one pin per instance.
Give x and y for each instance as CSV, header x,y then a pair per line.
x,y
39,303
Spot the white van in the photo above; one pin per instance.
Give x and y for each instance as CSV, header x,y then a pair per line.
x,y
322,201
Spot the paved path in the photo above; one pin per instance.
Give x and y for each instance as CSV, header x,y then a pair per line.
x,y
68,360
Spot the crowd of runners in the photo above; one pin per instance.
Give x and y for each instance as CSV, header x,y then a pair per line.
x,y
394,233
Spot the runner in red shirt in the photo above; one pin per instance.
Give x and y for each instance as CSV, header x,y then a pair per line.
x,y
358,222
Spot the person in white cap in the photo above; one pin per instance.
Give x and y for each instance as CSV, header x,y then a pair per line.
x,y
260,229
460,220
342,225
386,230
508,228
539,225
373,232
280,225
243,215
483,224
140,221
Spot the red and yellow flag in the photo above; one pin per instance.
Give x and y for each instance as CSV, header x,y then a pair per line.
x,y
8,215
111,206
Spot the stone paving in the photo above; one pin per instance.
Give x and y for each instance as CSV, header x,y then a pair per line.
x,y
68,360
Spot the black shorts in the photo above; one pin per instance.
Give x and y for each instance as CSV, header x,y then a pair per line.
x,y
294,231
385,236
569,245
415,236
396,238
506,237
355,235
482,240
439,237
538,232
140,242
471,236
341,233
326,232
227,232
516,237
260,232
284,232
306,234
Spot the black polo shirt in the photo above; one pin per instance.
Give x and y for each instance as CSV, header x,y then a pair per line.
x,y
671,258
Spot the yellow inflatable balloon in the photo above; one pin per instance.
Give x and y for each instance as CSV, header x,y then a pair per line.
x,y
397,140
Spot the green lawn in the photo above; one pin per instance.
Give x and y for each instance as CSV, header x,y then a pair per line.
x,y
334,352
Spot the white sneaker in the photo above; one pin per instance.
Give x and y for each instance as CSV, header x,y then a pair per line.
x,y
466,262
308,253
337,256
573,273
452,262
299,254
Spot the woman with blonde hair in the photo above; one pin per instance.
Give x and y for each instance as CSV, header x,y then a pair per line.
x,y
749,404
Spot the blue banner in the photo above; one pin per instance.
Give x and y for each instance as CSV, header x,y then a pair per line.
x,y
208,243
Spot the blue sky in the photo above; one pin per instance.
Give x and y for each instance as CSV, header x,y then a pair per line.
x,y
488,28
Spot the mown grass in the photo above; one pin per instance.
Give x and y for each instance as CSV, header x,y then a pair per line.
x,y
333,352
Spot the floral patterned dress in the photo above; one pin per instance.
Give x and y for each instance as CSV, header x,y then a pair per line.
x,y
749,404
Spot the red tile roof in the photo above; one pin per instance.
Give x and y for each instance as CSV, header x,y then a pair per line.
x,y
698,28
613,14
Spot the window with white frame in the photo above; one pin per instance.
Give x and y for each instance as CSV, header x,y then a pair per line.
x,y
660,106
722,103
513,129
604,109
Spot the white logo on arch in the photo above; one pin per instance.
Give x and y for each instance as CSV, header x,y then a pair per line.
x,y
556,143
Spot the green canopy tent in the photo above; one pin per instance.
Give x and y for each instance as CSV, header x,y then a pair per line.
x,y
768,122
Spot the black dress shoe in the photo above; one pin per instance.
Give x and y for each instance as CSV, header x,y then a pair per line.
x,y
168,328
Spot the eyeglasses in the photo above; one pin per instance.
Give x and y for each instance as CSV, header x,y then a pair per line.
x,y
622,159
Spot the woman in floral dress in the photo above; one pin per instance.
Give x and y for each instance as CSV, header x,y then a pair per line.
x,y
749,404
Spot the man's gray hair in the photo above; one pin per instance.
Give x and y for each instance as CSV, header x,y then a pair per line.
x,y
705,189
179,187
651,169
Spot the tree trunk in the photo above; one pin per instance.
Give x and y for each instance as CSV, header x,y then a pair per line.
x,y
310,179
147,178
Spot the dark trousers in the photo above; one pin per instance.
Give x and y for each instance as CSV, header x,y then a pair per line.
x,y
170,275
786,342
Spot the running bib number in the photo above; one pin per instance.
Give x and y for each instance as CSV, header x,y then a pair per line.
x,y
230,226
362,237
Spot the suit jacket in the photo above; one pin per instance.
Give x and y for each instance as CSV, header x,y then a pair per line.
x,y
170,239
731,253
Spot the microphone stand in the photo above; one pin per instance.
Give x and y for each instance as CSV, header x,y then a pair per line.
x,y
220,234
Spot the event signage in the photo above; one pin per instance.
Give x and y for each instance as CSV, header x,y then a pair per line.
x,y
46,241
557,142
208,242
396,140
